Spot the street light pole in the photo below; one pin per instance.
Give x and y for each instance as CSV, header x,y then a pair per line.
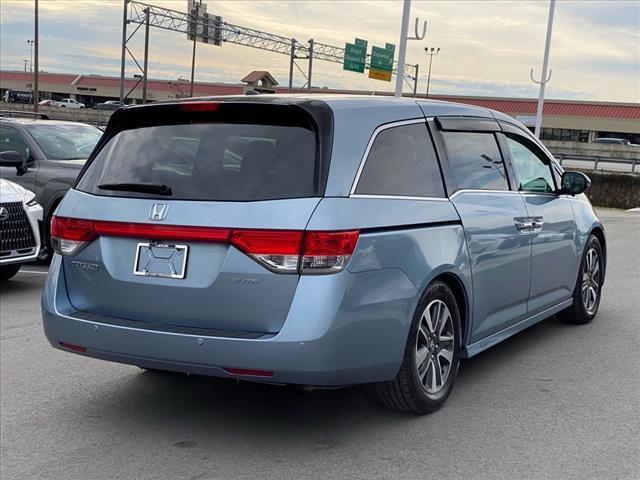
x,y
195,39
36,41
30,43
431,52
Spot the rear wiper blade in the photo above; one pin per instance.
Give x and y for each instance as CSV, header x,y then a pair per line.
x,y
157,188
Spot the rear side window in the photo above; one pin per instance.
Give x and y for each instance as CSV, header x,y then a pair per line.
x,y
402,162
476,160
208,161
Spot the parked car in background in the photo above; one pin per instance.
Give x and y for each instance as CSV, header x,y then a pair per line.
x,y
70,103
318,241
613,141
20,215
109,105
18,96
48,103
52,153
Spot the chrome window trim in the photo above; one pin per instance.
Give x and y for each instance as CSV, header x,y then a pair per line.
x,y
374,135
399,197
493,192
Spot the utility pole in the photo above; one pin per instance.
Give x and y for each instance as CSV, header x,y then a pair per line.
x,y
544,78
195,38
30,43
146,55
36,93
124,51
26,62
402,50
431,52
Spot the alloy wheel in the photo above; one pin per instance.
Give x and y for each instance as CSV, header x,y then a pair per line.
x,y
591,281
435,345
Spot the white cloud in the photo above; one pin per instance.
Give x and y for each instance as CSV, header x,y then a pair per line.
x,y
487,46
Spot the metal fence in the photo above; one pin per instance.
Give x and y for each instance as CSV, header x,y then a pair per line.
x,y
596,160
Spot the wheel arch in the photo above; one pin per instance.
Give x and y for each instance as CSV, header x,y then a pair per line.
x,y
598,232
454,282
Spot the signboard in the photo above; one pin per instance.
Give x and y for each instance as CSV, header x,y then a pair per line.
x,y
207,29
355,55
382,62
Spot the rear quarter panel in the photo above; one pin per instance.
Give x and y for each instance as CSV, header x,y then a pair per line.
x,y
403,246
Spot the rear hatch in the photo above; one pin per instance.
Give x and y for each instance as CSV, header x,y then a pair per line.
x,y
192,214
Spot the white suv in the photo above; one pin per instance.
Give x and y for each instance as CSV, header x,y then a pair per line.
x,y
70,103
20,238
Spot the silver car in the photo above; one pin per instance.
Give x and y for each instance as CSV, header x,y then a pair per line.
x,y
319,241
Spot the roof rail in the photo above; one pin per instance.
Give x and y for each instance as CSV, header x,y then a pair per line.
x,y
20,113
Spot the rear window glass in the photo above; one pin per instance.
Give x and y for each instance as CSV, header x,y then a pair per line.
x,y
475,160
208,161
402,162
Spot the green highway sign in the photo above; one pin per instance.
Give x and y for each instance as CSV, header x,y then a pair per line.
x,y
382,62
355,55
381,58
361,42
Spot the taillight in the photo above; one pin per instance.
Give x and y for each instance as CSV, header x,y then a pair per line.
x,y
199,106
281,251
278,250
69,235
327,252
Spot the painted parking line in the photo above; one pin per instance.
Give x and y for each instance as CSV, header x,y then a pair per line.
x,y
34,272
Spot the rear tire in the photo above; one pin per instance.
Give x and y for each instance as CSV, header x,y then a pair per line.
x,y
431,358
588,290
8,271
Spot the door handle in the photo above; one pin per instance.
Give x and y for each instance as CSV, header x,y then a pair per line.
x,y
523,226
537,223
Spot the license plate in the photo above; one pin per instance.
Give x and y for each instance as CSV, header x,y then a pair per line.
x,y
161,260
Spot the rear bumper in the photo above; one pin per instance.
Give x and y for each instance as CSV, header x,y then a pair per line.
x,y
334,335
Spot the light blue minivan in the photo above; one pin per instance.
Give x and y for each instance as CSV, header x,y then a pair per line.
x,y
321,241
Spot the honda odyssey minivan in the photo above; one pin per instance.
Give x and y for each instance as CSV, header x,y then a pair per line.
x,y
321,241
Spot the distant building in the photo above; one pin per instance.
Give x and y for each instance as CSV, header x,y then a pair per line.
x,y
568,120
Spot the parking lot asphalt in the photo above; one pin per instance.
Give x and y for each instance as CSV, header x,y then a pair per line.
x,y
553,402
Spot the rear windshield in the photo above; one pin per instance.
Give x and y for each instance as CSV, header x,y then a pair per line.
x,y
207,161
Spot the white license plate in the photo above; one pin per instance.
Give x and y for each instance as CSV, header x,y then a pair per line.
x,y
161,260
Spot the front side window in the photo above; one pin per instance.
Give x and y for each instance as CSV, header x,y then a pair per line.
x,y
533,170
475,160
10,139
402,162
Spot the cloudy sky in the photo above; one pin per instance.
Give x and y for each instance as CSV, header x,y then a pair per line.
x,y
487,48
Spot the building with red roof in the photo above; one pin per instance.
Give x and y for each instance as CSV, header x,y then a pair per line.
x,y
569,120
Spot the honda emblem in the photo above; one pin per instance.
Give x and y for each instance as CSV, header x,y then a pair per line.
x,y
158,211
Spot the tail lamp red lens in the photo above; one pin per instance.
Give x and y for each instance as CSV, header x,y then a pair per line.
x,y
199,106
282,251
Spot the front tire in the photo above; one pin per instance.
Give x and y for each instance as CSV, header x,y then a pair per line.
x,y
431,358
8,271
588,290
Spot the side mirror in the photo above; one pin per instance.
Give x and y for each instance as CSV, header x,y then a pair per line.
x,y
574,183
12,158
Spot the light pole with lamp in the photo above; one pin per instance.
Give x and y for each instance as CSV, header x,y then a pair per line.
x,y
30,42
431,52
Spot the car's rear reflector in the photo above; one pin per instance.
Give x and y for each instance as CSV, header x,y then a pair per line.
x,y
281,251
248,373
71,346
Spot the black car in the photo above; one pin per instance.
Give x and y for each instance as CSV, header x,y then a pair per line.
x,y
44,156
